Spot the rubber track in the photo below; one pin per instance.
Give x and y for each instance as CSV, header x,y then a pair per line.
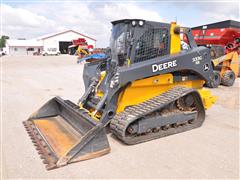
x,y
121,121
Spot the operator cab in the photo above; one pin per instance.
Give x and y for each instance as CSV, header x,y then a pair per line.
x,y
137,40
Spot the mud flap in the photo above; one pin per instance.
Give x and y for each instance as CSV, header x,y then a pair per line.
x,y
63,134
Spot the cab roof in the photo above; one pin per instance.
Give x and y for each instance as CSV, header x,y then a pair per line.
x,y
125,20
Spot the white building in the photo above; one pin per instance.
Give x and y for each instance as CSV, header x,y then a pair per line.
x,y
61,41
23,47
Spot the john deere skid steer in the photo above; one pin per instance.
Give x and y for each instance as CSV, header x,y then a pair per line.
x,y
148,88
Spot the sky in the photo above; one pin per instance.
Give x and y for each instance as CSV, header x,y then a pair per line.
x,y
33,18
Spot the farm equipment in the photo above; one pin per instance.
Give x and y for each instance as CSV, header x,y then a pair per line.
x,y
225,70
146,89
82,52
223,40
80,47
224,33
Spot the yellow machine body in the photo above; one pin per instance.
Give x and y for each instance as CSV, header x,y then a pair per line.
x,y
175,44
144,89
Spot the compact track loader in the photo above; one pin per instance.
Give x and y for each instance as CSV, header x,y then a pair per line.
x,y
148,88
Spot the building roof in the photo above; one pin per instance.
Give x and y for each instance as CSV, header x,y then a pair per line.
x,y
221,24
59,33
24,43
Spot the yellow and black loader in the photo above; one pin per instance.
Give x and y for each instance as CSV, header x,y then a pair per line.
x,y
148,88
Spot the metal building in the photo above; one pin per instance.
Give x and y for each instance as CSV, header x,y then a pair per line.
x,y
60,41
23,47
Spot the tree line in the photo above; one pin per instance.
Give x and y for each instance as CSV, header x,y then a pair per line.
x,y
3,41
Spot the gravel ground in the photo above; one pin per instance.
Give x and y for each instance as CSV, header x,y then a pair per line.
x,y
211,151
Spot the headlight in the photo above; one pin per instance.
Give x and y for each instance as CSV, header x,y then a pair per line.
x,y
134,23
140,23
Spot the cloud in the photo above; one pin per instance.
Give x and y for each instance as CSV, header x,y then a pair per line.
x,y
30,20
19,22
88,18
196,13
130,10
220,16
222,11
213,11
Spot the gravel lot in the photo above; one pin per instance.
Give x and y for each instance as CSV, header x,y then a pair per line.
x,y
211,151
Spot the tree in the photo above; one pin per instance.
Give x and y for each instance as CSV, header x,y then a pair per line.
x,y
3,41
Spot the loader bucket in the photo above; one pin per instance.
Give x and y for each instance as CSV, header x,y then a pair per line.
x,y
63,134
